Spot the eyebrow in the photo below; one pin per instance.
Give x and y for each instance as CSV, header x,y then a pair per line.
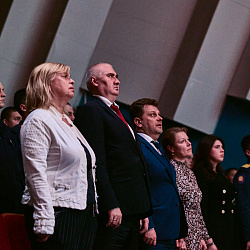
x,y
112,74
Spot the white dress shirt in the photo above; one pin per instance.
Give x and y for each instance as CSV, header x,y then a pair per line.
x,y
149,140
109,103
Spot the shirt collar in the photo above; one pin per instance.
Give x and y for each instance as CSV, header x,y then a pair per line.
x,y
106,101
146,137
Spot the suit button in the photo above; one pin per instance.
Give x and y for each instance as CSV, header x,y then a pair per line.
x,y
233,200
224,191
223,202
222,211
232,211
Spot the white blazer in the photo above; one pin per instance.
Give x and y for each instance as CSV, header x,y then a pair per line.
x,y
55,166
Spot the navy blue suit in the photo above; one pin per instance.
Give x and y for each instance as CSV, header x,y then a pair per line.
x,y
168,217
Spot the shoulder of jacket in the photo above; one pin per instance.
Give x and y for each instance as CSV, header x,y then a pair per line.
x,y
246,166
38,115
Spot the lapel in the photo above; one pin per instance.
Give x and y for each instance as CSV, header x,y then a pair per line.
x,y
162,158
109,111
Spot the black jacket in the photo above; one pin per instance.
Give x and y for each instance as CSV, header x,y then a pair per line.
x,y
121,170
11,170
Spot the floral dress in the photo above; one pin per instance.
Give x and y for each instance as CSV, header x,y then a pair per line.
x,y
191,197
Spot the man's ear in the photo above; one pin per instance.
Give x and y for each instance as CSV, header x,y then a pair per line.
x,y
23,107
247,153
93,81
138,122
5,122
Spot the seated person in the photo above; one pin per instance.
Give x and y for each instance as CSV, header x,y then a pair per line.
x,y
10,117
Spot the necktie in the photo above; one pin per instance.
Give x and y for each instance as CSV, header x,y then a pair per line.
x,y
118,112
156,143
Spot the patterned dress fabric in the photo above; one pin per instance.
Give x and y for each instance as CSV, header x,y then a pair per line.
x,y
191,197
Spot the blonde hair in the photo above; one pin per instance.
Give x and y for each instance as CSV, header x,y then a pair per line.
x,y
38,91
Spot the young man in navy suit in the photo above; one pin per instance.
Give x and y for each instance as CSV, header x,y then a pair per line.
x,y
122,184
168,220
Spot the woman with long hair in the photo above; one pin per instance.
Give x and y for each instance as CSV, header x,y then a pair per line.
x,y
217,192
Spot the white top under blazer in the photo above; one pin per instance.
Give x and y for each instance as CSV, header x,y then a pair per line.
x,y
55,166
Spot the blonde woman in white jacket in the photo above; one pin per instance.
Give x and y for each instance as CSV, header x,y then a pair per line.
x,y
59,165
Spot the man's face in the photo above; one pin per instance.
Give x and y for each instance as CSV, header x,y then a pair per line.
x,y
14,119
68,110
231,175
2,96
107,82
151,121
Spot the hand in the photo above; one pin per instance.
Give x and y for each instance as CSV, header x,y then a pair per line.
x,y
150,237
203,245
248,245
213,247
115,218
42,237
180,244
144,225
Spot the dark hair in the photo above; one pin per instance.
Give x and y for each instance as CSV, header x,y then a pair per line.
x,y
168,138
19,98
201,158
245,143
136,108
6,113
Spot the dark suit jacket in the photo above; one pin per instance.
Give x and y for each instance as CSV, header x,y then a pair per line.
x,y
11,170
168,217
121,170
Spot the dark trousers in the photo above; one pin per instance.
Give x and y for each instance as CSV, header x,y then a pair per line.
x,y
74,229
161,245
124,237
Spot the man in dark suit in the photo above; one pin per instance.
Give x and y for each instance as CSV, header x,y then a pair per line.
x,y
242,187
122,185
168,220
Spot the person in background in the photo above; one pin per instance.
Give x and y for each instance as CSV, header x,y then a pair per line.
x,y
122,184
177,146
242,186
189,161
10,117
218,194
20,102
59,166
11,167
230,173
168,221
68,110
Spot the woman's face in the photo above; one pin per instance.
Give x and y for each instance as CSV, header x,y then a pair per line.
x,y
217,152
62,87
182,147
